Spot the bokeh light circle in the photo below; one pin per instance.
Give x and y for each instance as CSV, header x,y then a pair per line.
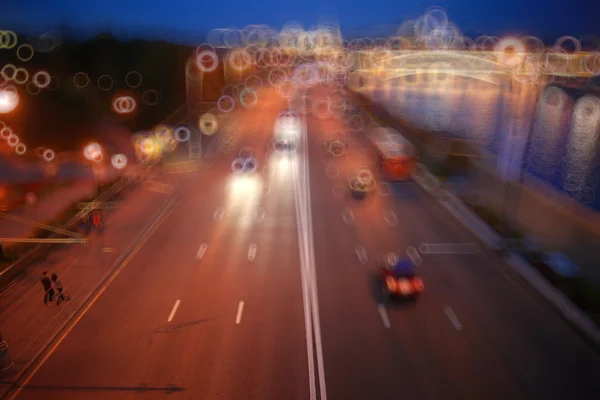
x,y
28,52
8,71
207,61
12,140
41,75
223,100
247,103
124,104
20,149
208,124
119,161
81,80
182,134
21,76
129,76
151,97
105,82
49,155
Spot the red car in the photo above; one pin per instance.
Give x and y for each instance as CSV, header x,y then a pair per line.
x,y
399,279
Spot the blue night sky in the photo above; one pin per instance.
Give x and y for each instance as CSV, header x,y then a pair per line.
x,y
183,19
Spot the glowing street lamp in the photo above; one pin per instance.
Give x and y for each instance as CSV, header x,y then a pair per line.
x,y
9,99
93,152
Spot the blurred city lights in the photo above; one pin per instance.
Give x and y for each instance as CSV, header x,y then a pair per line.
x,y
93,152
119,161
9,99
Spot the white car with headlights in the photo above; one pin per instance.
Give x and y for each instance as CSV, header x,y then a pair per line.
x,y
286,131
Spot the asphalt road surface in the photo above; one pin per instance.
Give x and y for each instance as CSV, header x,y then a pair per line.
x,y
217,303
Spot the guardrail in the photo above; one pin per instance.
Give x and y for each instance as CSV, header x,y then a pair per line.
x,y
15,269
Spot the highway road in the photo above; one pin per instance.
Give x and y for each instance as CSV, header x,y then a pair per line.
x,y
217,303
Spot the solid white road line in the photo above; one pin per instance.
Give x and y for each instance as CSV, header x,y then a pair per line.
x,y
348,216
384,316
174,310
362,254
219,213
252,252
201,251
448,248
238,317
452,318
414,255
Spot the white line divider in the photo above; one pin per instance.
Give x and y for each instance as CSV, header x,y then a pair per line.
x,y
308,270
259,215
361,254
348,216
219,213
384,317
448,248
452,317
201,251
414,255
252,252
174,310
240,310
390,218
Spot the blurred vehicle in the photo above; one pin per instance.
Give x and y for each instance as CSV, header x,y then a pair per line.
x,y
361,184
399,278
286,131
397,157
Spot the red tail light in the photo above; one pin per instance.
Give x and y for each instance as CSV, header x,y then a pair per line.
x,y
418,284
405,287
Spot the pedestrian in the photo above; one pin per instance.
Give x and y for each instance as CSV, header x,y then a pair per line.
x,y
97,221
48,291
58,287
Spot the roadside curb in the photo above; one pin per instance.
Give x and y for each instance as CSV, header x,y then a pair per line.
x,y
569,311
161,212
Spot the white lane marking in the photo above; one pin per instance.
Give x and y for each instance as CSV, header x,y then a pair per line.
x,y
452,318
308,269
238,317
384,316
390,218
362,254
448,248
201,251
219,213
348,216
259,215
414,255
174,310
332,172
252,252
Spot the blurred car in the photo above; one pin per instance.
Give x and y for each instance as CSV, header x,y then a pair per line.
x,y
286,132
399,278
361,185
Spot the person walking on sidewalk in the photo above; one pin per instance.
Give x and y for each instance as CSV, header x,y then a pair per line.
x,y
48,291
98,223
58,287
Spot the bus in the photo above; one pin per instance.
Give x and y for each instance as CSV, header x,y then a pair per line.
x,y
397,157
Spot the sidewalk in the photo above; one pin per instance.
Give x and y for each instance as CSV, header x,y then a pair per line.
x,y
47,208
27,324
